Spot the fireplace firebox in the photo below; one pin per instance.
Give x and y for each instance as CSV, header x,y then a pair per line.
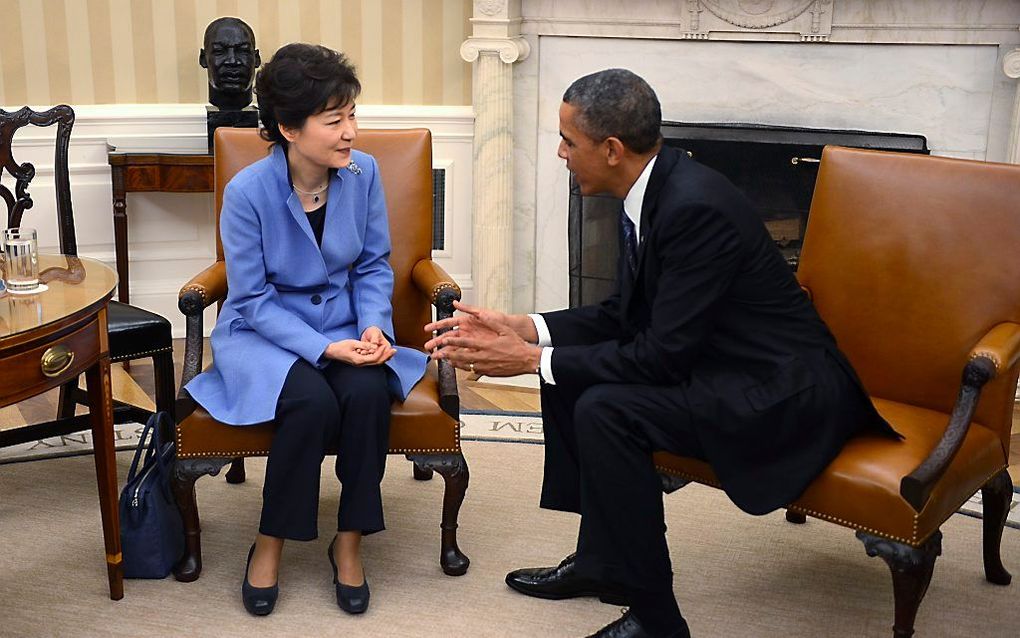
x,y
775,166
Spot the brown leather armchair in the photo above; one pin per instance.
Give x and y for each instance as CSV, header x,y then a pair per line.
x,y
425,427
913,262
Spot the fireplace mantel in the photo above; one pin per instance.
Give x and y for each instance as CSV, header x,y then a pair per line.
x,y
888,21
860,64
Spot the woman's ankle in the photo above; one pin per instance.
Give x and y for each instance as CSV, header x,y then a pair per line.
x,y
265,562
347,552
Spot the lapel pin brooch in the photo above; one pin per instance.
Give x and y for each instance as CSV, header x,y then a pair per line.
x,y
354,168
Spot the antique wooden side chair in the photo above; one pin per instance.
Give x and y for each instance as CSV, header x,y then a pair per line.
x,y
134,333
913,262
425,427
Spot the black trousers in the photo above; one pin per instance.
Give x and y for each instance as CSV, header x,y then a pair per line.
x,y
598,463
343,408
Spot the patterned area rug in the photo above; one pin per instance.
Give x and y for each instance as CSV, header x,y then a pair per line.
x,y
526,427
476,425
514,427
125,438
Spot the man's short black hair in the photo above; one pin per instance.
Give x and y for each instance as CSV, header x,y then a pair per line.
x,y
617,103
302,80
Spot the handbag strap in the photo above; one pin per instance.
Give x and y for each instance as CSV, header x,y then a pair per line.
x,y
157,420
141,446
161,419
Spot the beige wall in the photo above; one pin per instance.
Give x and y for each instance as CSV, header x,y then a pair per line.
x,y
146,51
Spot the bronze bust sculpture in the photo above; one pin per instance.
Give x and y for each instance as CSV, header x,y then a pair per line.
x,y
230,57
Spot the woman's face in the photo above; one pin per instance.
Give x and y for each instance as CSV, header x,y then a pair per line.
x,y
326,137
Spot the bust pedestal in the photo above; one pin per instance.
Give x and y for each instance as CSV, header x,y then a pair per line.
x,y
248,117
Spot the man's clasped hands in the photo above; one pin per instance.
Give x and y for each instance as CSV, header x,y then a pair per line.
x,y
486,341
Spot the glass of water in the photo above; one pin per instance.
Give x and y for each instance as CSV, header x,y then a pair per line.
x,y
22,259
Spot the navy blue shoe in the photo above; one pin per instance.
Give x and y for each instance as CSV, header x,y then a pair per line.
x,y
353,600
259,601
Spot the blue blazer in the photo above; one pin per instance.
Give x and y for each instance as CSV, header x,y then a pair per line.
x,y
286,297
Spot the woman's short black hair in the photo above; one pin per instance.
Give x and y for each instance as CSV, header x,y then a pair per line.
x,y
302,80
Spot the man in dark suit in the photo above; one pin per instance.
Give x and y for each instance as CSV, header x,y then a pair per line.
x,y
710,349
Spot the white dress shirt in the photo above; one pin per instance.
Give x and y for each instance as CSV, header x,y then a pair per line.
x,y
632,208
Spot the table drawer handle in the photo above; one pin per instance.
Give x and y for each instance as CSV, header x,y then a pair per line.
x,y
56,360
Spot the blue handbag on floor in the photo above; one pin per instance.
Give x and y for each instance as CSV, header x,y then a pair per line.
x,y
151,532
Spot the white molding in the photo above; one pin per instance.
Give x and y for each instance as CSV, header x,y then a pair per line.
x,y
510,50
46,170
186,113
155,128
172,236
992,22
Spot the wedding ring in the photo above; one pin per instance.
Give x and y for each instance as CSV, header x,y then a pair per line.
x,y
471,366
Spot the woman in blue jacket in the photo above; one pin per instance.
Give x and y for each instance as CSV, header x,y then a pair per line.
x,y
305,335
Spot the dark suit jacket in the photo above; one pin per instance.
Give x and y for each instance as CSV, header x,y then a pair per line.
x,y
715,310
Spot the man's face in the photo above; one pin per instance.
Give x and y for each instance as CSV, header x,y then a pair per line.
x,y
586,158
230,57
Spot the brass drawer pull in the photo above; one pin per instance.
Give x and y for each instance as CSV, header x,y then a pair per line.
x,y
56,360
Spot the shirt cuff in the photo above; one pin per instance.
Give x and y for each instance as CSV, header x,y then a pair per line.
x,y
544,338
545,365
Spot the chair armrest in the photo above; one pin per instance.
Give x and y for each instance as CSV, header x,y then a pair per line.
x,y
204,289
1001,345
994,353
439,287
442,291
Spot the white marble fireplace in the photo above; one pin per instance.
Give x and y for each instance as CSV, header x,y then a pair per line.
x,y
945,69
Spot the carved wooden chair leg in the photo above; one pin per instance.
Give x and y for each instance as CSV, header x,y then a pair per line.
x,y
163,377
911,568
236,473
795,517
420,473
454,470
67,399
186,472
996,496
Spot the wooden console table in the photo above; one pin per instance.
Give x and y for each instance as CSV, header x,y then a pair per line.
x,y
149,173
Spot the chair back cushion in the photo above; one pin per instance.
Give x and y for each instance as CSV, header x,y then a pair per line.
x,y
911,259
405,165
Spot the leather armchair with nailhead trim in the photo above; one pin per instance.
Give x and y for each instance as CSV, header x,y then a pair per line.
x,y
425,427
913,262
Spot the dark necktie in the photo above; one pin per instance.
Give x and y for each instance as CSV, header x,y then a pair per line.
x,y
629,243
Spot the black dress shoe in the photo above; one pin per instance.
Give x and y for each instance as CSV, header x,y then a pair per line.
x,y
628,626
562,581
259,601
353,600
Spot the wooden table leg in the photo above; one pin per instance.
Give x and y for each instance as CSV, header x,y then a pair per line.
x,y
101,412
120,231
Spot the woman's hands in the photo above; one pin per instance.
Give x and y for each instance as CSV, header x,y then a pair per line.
x,y
371,350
